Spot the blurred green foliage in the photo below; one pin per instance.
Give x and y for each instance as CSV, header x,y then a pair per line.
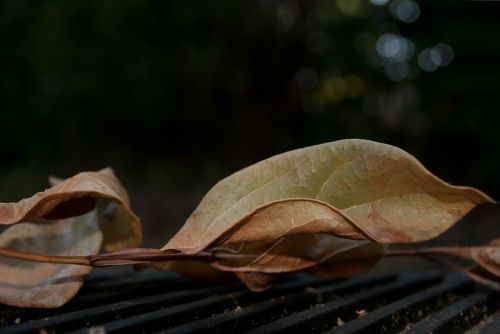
x,y
176,95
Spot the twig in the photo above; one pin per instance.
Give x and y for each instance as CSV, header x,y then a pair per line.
x,y
80,260
127,256
466,271
460,252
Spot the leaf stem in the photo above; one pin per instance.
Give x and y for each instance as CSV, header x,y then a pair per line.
x,y
81,260
460,252
489,282
127,256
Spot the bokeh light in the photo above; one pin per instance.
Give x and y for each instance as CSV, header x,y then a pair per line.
x,y
397,70
394,47
430,59
287,13
407,11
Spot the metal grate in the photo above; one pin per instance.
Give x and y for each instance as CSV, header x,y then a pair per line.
x,y
152,302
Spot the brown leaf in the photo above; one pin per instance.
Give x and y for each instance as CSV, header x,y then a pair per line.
x,y
488,257
298,252
351,260
382,192
76,196
298,210
320,254
34,284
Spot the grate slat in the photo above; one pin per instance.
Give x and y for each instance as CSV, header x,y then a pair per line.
x,y
493,327
96,315
163,302
323,317
89,297
459,316
397,315
257,314
186,312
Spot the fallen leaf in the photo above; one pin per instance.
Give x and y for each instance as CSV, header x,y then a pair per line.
x,y
351,260
35,284
300,252
488,257
298,210
76,196
384,193
320,254
78,230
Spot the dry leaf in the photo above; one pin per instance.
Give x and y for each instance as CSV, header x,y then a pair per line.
x,y
76,196
34,284
488,257
351,260
383,192
320,254
298,210
298,252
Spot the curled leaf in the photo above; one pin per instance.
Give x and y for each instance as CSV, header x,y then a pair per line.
x,y
320,254
384,193
76,196
37,284
310,209
296,252
488,257
34,284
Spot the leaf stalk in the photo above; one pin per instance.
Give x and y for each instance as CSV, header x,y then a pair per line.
x,y
127,256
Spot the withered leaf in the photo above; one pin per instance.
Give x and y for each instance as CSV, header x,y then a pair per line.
x,y
35,284
76,196
297,252
488,257
297,210
382,192
320,254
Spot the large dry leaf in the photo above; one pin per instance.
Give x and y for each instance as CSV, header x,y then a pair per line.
x,y
76,196
382,192
34,284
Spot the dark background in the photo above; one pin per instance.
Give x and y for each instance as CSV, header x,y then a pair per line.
x,y
175,95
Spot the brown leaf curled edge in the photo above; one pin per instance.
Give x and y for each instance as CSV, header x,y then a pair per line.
x,y
294,211
328,210
56,231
